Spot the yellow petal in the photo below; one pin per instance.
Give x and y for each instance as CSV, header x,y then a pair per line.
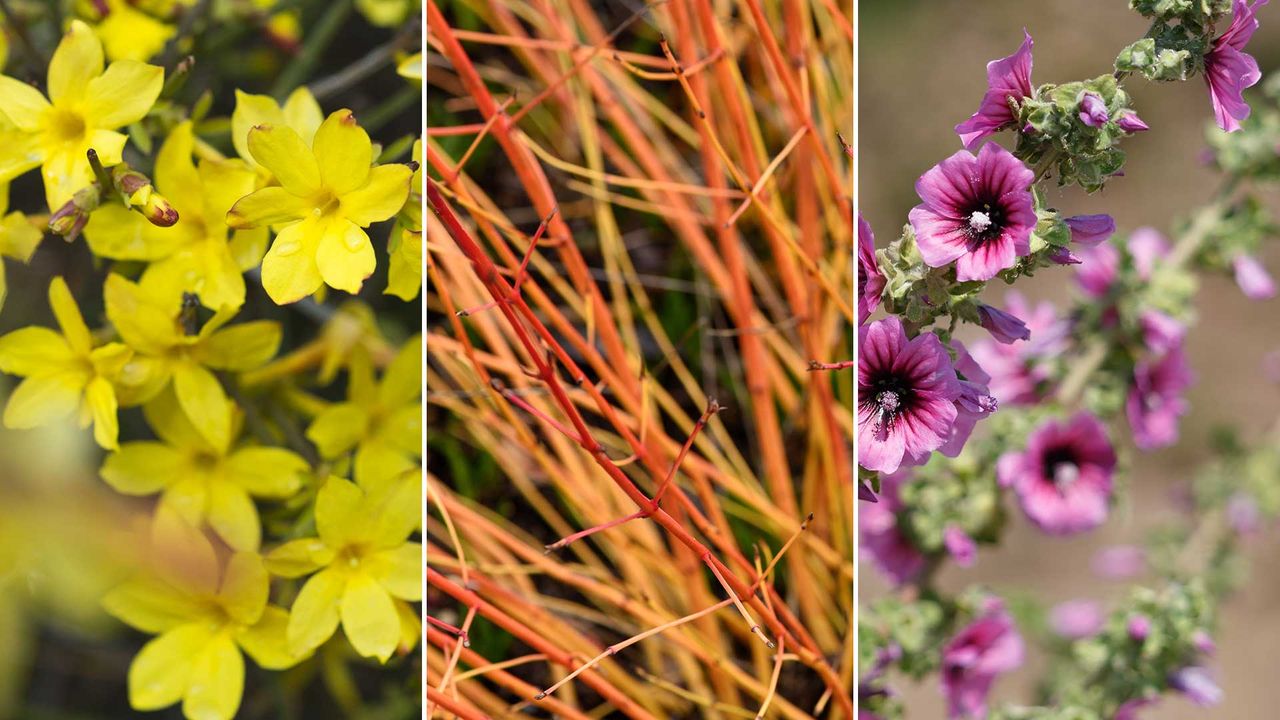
x,y
141,468
33,350
282,151
130,34
266,471
143,325
161,672
123,94
100,397
205,268
410,627
269,206
204,402
187,498
175,173
152,606
399,570
402,381
267,642
377,463
343,151
20,151
170,423
338,506
19,236
217,681
345,256
67,313
44,399
109,360
369,618
233,516
180,552
248,247
241,347
314,615
302,113
252,110
245,585
380,197
22,104
289,271
394,511
223,182
299,557
77,60
337,429
404,271
114,231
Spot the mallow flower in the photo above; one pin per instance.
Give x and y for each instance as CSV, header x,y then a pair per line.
x,y
870,280
1005,327
975,402
1254,280
1228,69
1063,477
1007,78
880,539
971,661
1090,230
86,105
907,393
977,211
328,193
1155,401
1093,111
1019,374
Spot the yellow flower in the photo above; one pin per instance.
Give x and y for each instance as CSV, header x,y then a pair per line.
x,y
300,112
327,194
64,373
366,567
202,481
204,615
169,351
128,33
194,255
87,106
410,68
385,13
404,274
382,421
18,237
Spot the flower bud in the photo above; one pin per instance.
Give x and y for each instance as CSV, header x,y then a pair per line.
x,y
1005,328
141,195
1139,627
1093,111
1131,123
1090,230
1252,277
959,545
71,218
158,211
1197,686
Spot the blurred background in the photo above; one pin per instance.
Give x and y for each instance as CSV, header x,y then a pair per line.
x,y
921,71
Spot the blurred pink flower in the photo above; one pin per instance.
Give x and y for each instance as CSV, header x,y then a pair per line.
x,y
1008,77
1063,478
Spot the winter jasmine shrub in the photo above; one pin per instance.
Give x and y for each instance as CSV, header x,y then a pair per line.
x,y
214,211
1039,420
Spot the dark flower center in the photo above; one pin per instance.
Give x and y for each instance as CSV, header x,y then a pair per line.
x,y
984,221
1061,467
889,397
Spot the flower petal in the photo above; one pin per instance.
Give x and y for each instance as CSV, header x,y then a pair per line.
x,y
67,313
282,151
141,468
299,557
217,681
233,516
343,151
399,570
204,402
267,642
77,60
338,505
303,113
379,198
289,271
345,256
241,347
33,350
266,471
244,588
337,429
22,104
44,399
151,606
369,618
162,670
314,616
268,206
100,397
123,94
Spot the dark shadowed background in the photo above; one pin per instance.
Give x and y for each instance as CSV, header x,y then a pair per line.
x,y
921,69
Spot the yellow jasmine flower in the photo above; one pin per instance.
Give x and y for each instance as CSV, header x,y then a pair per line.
x,y
300,112
65,373
170,351
382,421
204,614
85,106
128,33
327,194
202,481
194,255
365,564
411,67
18,237
404,274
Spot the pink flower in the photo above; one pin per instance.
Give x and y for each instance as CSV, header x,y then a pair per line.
x,y
870,281
1008,77
880,539
1093,112
1198,687
1131,123
1252,277
959,545
1076,619
1129,710
973,658
1160,331
1063,478
974,403
907,393
1147,246
1120,562
1155,401
977,211
1139,627
1018,375
1091,230
1098,269
1229,70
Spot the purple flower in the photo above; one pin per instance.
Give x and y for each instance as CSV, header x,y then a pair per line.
x,y
1098,270
1147,246
1129,710
974,403
907,393
1008,77
1120,562
881,541
973,658
1018,376
977,211
870,281
959,545
1063,478
1093,112
1204,644
1160,331
1229,70
1197,686
1076,619
1155,400
1091,230
1005,328
1139,627
1064,256
1253,279
1130,122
